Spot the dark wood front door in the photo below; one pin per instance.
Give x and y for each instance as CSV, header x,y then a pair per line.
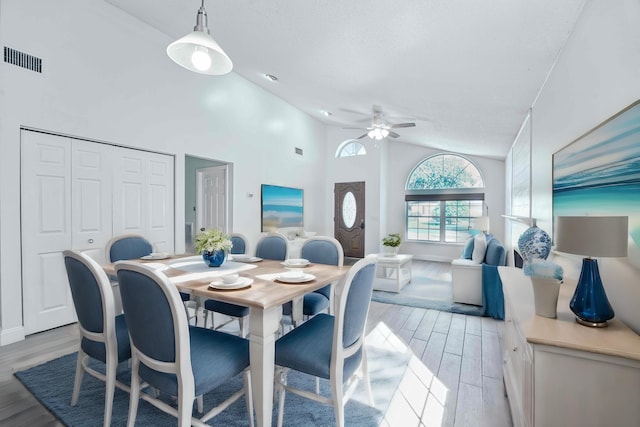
x,y
348,217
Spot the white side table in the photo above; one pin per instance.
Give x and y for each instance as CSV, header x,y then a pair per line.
x,y
393,272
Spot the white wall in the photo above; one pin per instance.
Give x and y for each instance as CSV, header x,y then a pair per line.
x,y
596,76
106,77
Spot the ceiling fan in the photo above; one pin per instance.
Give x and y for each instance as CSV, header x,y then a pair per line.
x,y
380,128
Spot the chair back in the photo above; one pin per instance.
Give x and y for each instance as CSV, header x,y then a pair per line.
x,y
128,246
240,244
323,250
273,246
157,322
353,297
92,299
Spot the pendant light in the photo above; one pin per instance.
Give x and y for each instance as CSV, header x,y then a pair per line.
x,y
198,51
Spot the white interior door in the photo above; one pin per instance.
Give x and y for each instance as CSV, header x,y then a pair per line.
x,y
160,195
46,230
211,198
129,198
91,198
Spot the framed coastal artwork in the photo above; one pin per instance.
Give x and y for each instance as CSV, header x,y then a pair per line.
x,y
282,207
599,174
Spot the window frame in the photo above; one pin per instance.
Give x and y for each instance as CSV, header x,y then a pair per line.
x,y
442,196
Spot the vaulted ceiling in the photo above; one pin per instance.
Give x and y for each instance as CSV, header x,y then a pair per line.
x,y
466,72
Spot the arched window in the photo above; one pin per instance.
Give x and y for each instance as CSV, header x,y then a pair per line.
x,y
444,193
350,148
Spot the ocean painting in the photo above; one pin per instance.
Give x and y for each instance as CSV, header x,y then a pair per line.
x,y
281,207
599,173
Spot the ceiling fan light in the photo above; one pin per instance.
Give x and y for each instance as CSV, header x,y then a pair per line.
x,y
384,133
198,51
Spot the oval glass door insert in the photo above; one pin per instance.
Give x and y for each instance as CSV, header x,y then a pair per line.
x,y
349,209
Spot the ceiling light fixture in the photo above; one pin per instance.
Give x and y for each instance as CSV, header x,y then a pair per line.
x,y
378,133
271,77
198,51
325,113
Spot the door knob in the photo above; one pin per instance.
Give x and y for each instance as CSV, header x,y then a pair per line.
x,y
362,223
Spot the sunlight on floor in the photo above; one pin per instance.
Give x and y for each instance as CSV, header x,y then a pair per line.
x,y
421,397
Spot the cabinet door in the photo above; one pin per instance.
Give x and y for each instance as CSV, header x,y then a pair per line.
x,y
46,230
91,200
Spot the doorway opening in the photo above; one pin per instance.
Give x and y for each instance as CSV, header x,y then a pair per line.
x,y
208,197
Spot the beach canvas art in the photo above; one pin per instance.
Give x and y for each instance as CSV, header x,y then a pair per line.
x,y
282,207
599,173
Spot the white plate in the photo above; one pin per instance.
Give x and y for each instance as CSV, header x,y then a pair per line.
x,y
300,279
155,256
296,262
243,282
245,258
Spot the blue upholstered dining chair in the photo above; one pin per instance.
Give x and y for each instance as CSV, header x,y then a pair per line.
x,y
240,246
273,246
134,246
331,347
103,334
319,250
170,355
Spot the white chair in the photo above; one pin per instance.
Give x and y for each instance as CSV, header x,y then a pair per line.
x,y
240,246
103,334
170,355
331,347
274,246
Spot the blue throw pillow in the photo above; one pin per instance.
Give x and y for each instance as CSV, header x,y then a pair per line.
x,y
468,249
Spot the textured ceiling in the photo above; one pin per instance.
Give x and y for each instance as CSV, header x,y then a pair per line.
x,y
466,72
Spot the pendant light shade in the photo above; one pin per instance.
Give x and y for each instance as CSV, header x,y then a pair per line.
x,y
198,51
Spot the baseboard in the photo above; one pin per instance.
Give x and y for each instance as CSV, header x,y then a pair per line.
x,y
9,336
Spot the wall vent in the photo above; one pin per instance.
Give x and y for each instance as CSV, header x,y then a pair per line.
x,y
21,59
299,151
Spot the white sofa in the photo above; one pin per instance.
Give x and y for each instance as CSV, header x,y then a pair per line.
x,y
466,274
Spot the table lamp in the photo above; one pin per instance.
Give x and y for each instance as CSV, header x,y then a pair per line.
x,y
599,236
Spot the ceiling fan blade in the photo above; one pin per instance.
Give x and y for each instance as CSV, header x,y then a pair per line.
x,y
402,125
362,136
392,134
357,128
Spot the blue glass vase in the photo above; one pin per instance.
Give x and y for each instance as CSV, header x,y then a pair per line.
x,y
589,302
214,258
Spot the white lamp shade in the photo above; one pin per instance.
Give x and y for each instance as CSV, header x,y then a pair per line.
x,y
480,223
592,236
182,52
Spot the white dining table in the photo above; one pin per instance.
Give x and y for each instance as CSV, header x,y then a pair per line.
x,y
264,298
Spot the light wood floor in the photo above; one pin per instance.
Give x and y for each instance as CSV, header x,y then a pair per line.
x,y
462,352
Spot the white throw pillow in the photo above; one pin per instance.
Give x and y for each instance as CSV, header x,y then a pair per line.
x,y
479,248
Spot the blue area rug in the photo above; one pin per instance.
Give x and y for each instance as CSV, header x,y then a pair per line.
x,y
428,293
52,383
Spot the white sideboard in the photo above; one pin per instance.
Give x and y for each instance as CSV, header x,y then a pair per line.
x,y
560,373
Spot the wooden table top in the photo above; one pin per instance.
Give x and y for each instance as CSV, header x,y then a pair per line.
x,y
190,274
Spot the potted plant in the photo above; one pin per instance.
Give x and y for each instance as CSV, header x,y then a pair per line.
x,y
391,243
214,245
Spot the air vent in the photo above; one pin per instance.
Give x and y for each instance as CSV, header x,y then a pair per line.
x,y
299,151
21,59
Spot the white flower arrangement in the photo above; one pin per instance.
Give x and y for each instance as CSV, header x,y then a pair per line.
x,y
212,240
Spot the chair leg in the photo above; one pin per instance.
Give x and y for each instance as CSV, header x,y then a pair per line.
x,y
206,316
110,388
365,377
282,381
78,381
134,393
248,394
200,404
338,400
243,332
318,385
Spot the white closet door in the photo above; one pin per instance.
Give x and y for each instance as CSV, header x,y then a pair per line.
x,y
91,201
46,230
143,201
160,209
211,195
129,201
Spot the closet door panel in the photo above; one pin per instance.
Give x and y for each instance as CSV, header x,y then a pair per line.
x,y
160,201
129,196
91,189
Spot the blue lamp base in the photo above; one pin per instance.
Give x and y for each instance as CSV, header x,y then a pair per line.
x,y
589,302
